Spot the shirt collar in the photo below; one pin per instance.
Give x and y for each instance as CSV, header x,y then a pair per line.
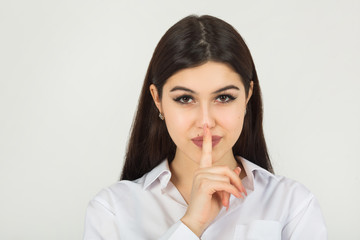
x,y
161,172
251,170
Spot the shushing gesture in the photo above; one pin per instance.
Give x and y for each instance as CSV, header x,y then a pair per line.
x,y
211,189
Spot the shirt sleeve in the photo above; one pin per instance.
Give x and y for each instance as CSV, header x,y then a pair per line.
x,y
308,222
179,231
100,222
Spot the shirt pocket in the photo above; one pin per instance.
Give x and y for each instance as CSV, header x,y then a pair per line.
x,y
259,230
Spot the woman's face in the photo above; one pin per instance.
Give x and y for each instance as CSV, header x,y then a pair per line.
x,y
211,94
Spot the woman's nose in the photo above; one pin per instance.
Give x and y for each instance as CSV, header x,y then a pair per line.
x,y
205,116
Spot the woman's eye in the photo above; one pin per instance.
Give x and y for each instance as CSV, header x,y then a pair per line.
x,y
184,99
224,98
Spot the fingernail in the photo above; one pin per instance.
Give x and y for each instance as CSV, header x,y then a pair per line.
x,y
205,128
245,192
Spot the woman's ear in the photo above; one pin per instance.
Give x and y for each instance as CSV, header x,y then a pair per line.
x,y
155,95
250,92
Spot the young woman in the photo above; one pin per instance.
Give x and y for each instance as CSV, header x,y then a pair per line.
x,y
197,164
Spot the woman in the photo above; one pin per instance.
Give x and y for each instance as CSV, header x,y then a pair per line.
x,y
197,164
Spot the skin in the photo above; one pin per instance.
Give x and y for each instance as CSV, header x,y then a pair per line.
x,y
206,102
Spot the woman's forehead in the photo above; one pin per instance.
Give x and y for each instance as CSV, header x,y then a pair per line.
x,y
209,75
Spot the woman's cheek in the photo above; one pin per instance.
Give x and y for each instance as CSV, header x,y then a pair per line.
x,y
181,120
230,118
232,123
177,125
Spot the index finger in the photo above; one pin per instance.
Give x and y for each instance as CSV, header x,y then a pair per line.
x,y
206,159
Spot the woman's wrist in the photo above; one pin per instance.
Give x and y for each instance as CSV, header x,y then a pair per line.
x,y
193,226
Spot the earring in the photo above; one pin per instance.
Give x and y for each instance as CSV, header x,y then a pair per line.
x,y
161,116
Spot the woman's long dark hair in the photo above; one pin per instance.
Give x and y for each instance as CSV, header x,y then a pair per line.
x,y
191,42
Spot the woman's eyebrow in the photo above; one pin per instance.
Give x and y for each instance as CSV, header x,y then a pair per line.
x,y
176,88
226,88
182,89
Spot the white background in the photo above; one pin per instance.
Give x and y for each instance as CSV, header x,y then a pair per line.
x,y
70,76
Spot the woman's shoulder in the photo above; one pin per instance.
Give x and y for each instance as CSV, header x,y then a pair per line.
x,y
294,194
290,197
291,187
118,198
116,194
125,192
276,185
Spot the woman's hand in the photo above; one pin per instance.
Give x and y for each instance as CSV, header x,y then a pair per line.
x,y
211,189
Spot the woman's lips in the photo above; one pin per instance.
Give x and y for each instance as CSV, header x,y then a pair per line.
x,y
198,141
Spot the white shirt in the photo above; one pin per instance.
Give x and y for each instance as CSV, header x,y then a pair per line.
x,y
151,208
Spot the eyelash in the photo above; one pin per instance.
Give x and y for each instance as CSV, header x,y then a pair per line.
x,y
180,99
